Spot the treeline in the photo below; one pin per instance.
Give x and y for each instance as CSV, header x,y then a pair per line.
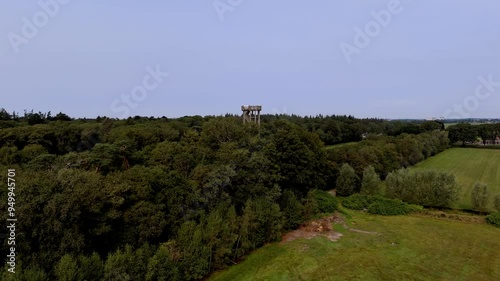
x,y
331,129
161,199
336,129
386,154
467,133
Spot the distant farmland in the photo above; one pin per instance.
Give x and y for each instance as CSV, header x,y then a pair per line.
x,y
468,165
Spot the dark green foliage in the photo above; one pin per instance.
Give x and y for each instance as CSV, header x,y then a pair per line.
x,y
66,269
8,155
162,266
299,157
127,264
493,219
463,132
43,162
323,201
358,201
347,182
31,152
427,188
371,184
480,196
389,207
386,153
90,267
496,202
379,205
292,210
4,115
31,273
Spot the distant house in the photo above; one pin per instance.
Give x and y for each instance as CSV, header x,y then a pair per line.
x,y
491,142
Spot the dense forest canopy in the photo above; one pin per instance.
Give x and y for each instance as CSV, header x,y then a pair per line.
x,y
106,199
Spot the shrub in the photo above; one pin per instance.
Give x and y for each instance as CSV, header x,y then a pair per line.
x,y
357,201
371,182
414,208
479,196
493,219
496,202
348,181
427,188
324,202
379,205
388,207
292,210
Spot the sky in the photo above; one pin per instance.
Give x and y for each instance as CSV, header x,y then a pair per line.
x,y
372,58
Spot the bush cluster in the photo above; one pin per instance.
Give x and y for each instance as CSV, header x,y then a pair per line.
x,y
493,219
357,201
427,188
379,205
391,207
323,201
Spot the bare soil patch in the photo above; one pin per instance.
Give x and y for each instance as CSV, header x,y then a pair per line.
x,y
322,228
317,228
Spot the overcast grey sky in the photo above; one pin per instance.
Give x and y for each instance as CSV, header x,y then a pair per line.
x,y
86,58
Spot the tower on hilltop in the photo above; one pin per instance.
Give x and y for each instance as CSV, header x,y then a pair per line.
x,y
251,113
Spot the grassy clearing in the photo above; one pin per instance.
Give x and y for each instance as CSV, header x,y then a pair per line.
x,y
340,145
408,248
468,165
446,125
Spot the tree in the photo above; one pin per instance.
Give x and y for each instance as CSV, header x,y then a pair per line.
x,y
292,210
371,182
8,155
66,269
221,130
163,266
127,264
428,187
31,151
348,181
61,117
463,132
480,196
144,222
105,157
299,157
496,202
486,132
90,267
4,115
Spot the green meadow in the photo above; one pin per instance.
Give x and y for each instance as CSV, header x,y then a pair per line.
x,y
403,248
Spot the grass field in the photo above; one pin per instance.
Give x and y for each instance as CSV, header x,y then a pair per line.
x,y
446,125
407,248
340,145
468,165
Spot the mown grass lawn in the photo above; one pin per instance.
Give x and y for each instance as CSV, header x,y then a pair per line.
x,y
408,248
328,147
468,165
